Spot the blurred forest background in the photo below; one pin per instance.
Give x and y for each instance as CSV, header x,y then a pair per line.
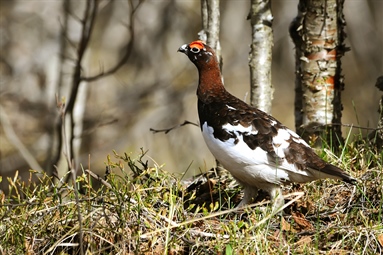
x,y
155,88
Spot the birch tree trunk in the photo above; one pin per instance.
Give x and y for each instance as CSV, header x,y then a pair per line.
x,y
211,26
261,90
318,35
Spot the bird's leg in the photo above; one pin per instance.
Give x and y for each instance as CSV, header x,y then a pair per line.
x,y
249,194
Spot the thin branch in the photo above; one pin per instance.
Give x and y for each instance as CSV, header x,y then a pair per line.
x,y
98,125
66,151
167,130
58,133
88,22
15,141
79,216
98,178
54,149
320,126
353,126
128,52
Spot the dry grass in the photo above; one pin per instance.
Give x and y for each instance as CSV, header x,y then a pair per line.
x,y
142,209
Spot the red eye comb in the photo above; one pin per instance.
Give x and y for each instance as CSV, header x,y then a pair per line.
x,y
197,44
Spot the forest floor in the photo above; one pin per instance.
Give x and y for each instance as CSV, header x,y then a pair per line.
x,y
139,208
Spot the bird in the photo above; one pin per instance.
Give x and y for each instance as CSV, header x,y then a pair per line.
x,y
258,150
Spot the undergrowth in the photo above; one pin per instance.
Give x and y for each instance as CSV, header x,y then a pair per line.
x,y
141,209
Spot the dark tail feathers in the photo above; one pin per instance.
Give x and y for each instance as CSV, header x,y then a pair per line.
x,y
337,172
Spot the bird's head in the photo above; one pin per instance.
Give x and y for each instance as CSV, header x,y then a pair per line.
x,y
199,53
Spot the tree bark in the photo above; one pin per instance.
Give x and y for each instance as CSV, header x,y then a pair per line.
x,y
211,26
318,35
261,90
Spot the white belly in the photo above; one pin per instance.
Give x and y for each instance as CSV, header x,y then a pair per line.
x,y
247,165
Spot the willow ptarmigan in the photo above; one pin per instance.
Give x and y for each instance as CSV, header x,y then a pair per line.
x,y
257,149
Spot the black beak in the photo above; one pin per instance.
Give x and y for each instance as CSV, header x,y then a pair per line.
x,y
183,49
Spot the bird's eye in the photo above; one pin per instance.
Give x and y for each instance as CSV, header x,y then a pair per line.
x,y
195,50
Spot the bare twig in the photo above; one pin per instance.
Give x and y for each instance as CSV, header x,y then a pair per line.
x,y
320,126
128,47
66,152
71,165
98,125
54,149
79,216
98,178
87,28
88,22
167,130
14,139
352,126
